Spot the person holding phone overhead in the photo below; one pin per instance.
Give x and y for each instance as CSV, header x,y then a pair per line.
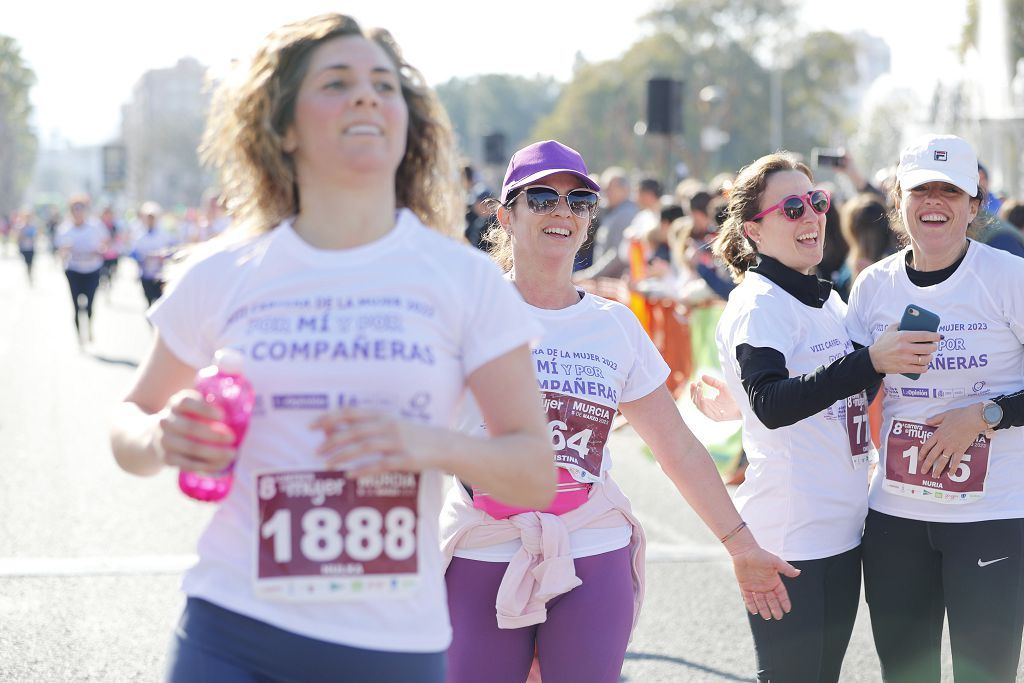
x,y
784,348
944,536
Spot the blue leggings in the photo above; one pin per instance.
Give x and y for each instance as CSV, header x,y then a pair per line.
x,y
583,639
215,645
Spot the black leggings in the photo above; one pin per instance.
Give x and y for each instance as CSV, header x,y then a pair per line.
x,y
82,284
152,289
808,644
970,572
28,255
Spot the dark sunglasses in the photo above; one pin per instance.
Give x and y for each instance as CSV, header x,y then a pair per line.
x,y
542,200
793,206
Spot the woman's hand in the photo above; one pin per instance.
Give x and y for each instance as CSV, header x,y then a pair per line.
x,y
369,442
903,352
190,435
720,407
957,430
758,575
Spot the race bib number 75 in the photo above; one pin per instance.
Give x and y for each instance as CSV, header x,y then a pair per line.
x,y
323,536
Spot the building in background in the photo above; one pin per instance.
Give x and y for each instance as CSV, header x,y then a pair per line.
x,y
162,126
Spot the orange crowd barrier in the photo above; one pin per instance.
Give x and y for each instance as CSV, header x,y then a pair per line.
x,y
663,321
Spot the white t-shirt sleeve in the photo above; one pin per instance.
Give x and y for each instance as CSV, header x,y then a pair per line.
x,y
496,319
856,327
759,326
63,237
1015,305
185,316
649,370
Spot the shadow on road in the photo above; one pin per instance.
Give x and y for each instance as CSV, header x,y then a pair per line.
x,y
643,656
115,361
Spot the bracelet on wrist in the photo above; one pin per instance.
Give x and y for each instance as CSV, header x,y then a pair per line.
x,y
732,533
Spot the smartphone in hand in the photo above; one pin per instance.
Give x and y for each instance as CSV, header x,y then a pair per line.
x,y
836,158
918,319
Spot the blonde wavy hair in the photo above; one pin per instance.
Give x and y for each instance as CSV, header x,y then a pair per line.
x,y
251,113
732,244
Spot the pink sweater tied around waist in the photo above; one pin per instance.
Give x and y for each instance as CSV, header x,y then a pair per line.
x,y
543,567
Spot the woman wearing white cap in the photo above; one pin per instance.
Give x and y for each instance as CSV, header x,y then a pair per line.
x,y
945,531
566,581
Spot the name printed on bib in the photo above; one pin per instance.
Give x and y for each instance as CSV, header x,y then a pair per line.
x,y
579,430
965,484
322,536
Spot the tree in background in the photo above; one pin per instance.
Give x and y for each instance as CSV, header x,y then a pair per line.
x,y
1014,25
490,103
879,136
18,142
731,44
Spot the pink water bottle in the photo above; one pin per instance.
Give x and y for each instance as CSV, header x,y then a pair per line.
x,y
221,384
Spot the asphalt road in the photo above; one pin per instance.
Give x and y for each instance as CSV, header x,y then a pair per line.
x,y
90,557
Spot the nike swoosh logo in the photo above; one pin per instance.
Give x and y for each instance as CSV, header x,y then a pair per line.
x,y
985,564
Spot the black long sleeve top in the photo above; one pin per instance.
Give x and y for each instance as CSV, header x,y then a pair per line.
x,y
779,400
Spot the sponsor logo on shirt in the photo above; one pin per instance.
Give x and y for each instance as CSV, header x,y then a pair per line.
x,y
915,392
300,401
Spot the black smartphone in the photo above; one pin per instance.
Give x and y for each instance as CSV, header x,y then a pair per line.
x,y
835,158
918,319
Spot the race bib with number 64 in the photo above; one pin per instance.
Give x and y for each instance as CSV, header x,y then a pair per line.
x,y
579,430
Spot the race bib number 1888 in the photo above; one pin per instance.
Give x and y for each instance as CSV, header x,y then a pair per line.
x,y
323,536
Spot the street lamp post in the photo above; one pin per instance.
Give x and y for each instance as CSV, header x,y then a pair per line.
x,y
775,81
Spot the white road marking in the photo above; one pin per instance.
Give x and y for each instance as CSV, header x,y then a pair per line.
x,y
43,567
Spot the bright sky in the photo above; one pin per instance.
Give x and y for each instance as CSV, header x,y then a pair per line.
x,y
88,55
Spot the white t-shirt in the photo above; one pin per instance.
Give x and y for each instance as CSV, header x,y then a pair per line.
x,y
981,309
596,354
803,497
151,251
398,324
85,244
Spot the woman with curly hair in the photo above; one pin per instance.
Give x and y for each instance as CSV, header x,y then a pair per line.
x,y
361,329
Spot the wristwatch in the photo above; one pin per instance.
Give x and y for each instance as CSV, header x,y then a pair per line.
x,y
992,414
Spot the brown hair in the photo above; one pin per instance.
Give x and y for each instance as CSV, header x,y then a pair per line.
x,y
865,226
251,114
732,244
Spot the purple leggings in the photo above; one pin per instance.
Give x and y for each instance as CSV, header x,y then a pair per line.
x,y
583,639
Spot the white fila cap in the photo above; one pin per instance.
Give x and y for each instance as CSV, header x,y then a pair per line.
x,y
945,158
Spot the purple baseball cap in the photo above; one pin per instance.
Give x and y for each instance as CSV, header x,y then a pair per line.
x,y
540,160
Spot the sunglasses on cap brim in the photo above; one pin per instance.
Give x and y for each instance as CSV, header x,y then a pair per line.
x,y
542,200
792,207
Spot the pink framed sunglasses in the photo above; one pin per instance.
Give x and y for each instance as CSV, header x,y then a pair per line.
x,y
792,207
